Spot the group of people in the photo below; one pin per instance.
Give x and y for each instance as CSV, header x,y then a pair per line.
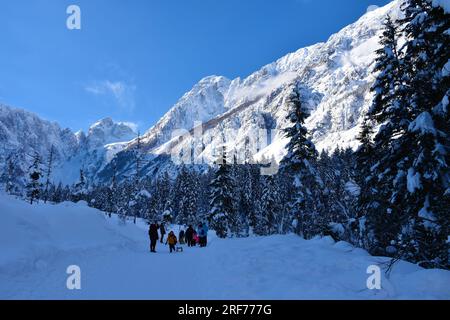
x,y
194,237
191,237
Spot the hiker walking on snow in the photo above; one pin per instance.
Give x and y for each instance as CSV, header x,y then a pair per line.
x,y
203,234
181,237
172,241
189,236
162,230
205,239
153,234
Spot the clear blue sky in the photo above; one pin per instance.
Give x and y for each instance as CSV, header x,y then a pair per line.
x,y
133,59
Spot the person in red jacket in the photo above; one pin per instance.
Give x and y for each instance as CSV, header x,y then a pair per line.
x,y
195,239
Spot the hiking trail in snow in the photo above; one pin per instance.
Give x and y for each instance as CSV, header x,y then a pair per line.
x,y
38,243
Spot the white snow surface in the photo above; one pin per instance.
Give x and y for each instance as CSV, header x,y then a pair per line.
x,y
38,243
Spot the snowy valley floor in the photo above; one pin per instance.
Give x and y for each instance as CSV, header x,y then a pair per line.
x,y
38,243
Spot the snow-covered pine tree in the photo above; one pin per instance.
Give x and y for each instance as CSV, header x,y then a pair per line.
x,y
51,191
111,193
408,215
137,195
57,196
425,230
245,204
125,199
270,215
140,204
203,201
221,213
305,206
364,179
48,173
383,214
186,197
79,192
254,193
9,175
388,65
240,219
34,186
165,203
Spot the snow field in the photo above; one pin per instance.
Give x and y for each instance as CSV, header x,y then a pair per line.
x,y
38,243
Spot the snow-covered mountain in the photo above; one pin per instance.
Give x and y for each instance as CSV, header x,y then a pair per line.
x,y
334,78
96,149
23,133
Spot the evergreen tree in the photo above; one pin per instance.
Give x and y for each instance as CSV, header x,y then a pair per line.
x,y
138,196
34,186
408,214
244,186
386,105
305,206
389,109
111,193
221,198
58,195
425,229
125,200
365,180
164,189
48,173
186,197
270,218
79,192
9,178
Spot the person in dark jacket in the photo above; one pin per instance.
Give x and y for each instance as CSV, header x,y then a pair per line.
x,y
181,237
153,234
202,234
189,236
162,230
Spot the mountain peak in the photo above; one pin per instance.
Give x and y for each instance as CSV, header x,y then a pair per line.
x,y
106,131
106,122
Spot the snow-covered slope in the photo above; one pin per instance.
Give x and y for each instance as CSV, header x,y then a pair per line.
x,y
38,243
334,77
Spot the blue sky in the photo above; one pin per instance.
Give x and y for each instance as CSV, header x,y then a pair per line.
x,y
133,59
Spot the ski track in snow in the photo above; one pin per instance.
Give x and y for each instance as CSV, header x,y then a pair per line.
x,y
38,243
